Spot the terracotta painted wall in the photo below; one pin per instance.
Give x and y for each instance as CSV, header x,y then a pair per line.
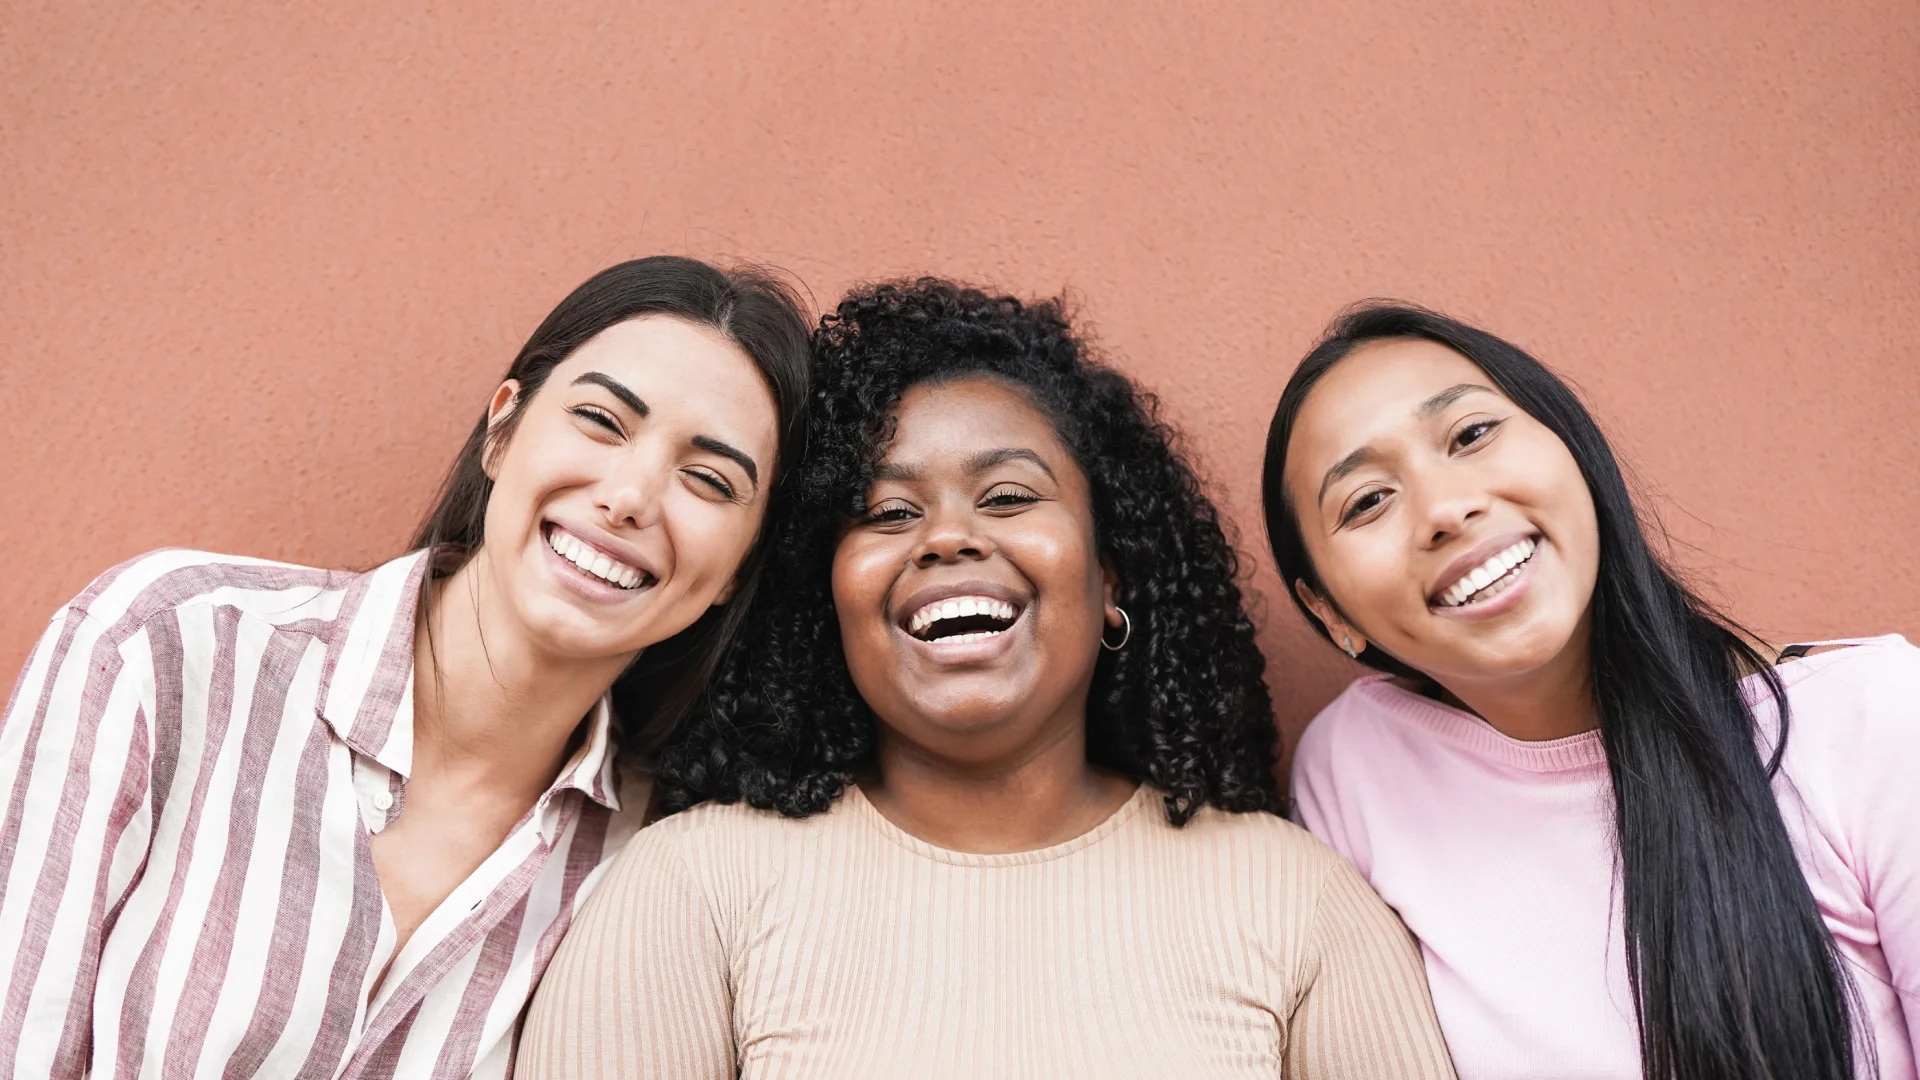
x,y
261,264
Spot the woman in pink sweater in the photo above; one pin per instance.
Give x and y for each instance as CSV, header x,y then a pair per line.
x,y
1573,778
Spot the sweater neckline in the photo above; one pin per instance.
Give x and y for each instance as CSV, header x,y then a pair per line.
x,y
1127,811
1582,751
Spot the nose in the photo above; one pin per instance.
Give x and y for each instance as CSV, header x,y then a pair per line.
x,y
631,497
1449,504
951,536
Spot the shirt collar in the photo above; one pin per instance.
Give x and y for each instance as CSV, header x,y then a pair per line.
x,y
366,684
591,769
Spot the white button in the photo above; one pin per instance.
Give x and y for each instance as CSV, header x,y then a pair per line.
x,y
383,800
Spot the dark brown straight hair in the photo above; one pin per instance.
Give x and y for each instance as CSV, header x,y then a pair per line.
x,y
753,307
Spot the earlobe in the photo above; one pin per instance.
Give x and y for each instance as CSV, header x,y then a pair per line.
x,y
1349,640
1109,592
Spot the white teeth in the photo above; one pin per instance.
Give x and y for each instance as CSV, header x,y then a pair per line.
x,y
1496,569
591,561
958,608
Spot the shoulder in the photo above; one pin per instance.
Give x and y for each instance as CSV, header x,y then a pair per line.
x,y
1258,843
726,845
1868,691
150,585
1353,717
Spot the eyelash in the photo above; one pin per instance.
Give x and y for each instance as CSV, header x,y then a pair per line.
x,y
597,416
1360,506
714,481
1484,426
1009,496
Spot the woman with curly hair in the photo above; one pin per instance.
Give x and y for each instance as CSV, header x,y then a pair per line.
x,y
987,787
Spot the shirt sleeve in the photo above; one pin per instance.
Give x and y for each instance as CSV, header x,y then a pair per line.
x,y
1884,822
75,771
1362,1008
640,986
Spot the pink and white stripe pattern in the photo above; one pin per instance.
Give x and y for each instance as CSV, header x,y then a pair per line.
x,y
192,763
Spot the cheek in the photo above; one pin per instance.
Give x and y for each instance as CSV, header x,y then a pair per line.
x,y
1368,577
710,539
1056,559
862,573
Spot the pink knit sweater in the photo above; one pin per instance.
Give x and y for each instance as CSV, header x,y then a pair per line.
x,y
1499,856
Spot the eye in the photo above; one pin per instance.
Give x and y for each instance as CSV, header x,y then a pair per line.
x,y
887,512
715,481
1366,503
597,416
1474,434
1008,497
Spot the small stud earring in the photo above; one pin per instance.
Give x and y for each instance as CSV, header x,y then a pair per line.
x,y
1346,641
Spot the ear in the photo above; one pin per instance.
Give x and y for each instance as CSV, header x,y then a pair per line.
x,y
725,595
1109,591
1345,637
505,401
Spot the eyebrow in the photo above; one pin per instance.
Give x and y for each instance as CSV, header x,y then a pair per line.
x,y
978,463
987,459
1344,468
739,457
1433,405
618,389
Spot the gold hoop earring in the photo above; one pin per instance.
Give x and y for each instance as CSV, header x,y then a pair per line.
x,y
1125,636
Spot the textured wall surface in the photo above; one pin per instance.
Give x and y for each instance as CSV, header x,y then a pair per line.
x,y
261,265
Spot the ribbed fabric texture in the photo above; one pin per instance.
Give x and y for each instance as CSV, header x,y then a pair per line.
x,y
1500,855
728,941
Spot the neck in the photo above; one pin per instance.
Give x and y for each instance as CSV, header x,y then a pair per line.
x,y
1044,795
1552,702
489,708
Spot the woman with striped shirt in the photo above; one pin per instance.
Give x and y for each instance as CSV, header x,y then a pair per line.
x,y
263,820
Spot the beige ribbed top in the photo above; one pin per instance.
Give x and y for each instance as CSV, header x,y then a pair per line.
x,y
730,942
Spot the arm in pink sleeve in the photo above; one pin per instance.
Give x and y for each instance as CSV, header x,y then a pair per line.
x,y
1885,821
1316,803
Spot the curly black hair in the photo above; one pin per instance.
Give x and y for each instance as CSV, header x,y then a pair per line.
x,y
1183,706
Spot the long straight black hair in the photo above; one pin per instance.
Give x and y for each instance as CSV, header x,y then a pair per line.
x,y
753,307
1734,975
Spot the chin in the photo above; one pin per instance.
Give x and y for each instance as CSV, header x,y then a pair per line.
x,y
968,724
557,629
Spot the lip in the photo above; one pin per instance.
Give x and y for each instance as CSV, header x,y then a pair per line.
x,y
1509,596
966,652
1474,556
593,588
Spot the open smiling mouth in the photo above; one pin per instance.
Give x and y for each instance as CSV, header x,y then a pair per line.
x,y
960,619
1490,578
596,564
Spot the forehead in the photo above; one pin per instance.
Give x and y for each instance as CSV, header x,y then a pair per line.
x,y
1375,390
664,347
950,420
679,367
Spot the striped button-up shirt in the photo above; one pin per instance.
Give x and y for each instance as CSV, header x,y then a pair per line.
x,y
194,761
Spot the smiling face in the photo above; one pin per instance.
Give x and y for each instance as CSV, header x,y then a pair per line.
x,y
1448,526
630,489
971,597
